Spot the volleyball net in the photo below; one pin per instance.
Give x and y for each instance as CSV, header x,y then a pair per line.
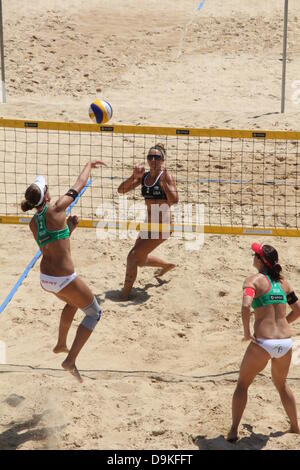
x,y
247,181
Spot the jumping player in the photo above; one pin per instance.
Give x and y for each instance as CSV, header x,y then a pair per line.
x,y
57,274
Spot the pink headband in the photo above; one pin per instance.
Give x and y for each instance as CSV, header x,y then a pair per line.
x,y
258,249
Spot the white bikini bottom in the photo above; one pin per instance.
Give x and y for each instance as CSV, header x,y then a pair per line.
x,y
56,284
275,347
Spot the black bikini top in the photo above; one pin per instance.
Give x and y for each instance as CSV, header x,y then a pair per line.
x,y
154,191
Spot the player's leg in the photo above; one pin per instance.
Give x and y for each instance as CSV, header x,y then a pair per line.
x,y
79,294
67,316
280,369
137,257
155,262
254,361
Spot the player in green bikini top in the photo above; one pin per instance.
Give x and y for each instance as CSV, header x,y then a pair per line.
x,y
44,235
275,295
52,233
268,292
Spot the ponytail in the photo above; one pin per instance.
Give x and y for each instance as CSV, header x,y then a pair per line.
x,y
275,272
272,268
26,206
32,198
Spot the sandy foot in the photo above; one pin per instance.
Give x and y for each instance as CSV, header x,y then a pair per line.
x,y
232,436
73,370
60,349
161,272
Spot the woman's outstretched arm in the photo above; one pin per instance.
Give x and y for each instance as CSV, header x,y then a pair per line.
x,y
133,181
64,201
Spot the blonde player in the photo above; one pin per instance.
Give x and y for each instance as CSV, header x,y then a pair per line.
x,y
159,190
57,274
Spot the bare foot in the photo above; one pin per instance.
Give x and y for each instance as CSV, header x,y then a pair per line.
x,y
294,430
162,271
60,349
124,296
232,436
73,370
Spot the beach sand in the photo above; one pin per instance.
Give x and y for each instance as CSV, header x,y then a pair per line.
x,y
159,371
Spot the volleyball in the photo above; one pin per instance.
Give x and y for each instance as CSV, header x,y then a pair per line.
x,y
100,111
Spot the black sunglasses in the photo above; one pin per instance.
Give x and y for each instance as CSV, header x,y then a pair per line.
x,y
153,157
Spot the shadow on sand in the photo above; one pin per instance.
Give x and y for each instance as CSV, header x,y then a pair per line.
x,y
252,442
21,432
137,296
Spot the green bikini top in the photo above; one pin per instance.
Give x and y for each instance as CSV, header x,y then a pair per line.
x,y
44,235
275,295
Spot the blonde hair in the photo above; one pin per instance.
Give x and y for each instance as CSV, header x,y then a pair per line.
x,y
161,148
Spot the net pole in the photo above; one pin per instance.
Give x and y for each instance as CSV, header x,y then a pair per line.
x,y
2,57
285,30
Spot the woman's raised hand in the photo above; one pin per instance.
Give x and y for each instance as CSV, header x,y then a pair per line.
x,y
72,222
138,172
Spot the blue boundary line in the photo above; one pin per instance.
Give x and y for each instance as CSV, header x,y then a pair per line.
x,y
201,4
36,257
